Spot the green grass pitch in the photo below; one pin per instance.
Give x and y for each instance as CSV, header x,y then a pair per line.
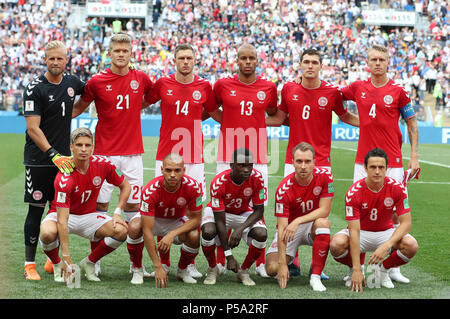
x,y
429,271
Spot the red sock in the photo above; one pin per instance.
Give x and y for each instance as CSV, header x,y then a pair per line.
x,y
362,258
320,249
94,245
347,260
221,253
165,257
261,259
209,252
252,255
394,260
135,252
53,255
296,261
186,257
100,251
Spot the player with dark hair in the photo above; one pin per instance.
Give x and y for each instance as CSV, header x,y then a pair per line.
x,y
380,103
307,106
245,98
73,210
232,191
48,103
302,206
369,206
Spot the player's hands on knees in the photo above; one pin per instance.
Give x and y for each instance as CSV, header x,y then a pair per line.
x,y
165,243
283,276
289,232
379,254
118,220
232,264
235,238
160,277
358,281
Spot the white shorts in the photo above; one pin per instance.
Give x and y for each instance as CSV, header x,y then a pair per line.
x,y
196,171
82,225
289,168
232,221
301,237
396,173
371,240
132,168
163,226
223,166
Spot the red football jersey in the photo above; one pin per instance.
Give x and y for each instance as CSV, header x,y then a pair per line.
x,y
235,199
243,117
310,115
182,106
293,200
156,201
118,100
379,113
79,191
374,210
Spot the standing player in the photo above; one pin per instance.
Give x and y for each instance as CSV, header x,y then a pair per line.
x,y
245,98
302,205
48,103
380,103
232,191
184,97
73,211
171,207
369,206
118,93
308,107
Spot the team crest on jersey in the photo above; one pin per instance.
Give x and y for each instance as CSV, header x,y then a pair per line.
x,y
181,201
197,95
388,99
97,181
295,97
261,95
323,101
317,190
134,85
70,91
248,191
37,195
388,202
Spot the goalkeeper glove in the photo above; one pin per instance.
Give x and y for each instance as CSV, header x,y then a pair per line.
x,y
64,163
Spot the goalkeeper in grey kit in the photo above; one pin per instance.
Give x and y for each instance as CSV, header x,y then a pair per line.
x,y
48,102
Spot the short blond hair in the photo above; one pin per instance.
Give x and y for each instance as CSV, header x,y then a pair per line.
x,y
55,44
80,132
379,48
119,38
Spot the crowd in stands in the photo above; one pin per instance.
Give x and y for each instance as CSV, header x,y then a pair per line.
x,y
280,30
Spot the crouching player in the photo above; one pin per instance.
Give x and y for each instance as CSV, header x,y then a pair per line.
x,y
302,205
231,193
369,206
171,207
73,211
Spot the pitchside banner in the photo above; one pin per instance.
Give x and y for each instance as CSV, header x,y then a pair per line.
x,y
211,129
